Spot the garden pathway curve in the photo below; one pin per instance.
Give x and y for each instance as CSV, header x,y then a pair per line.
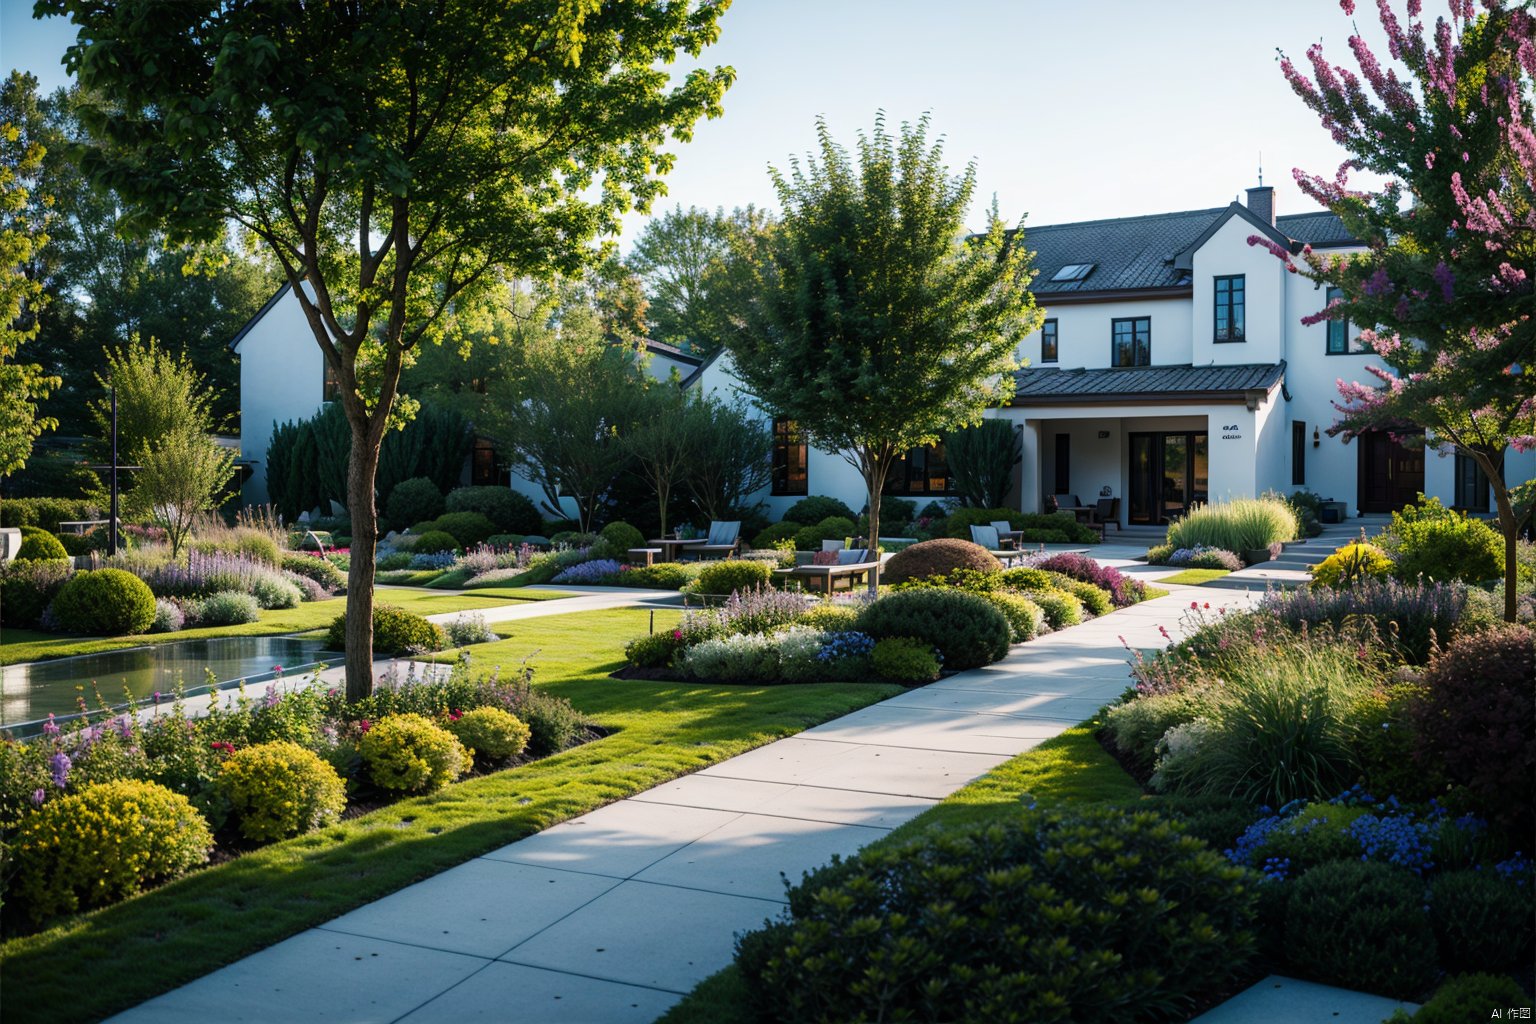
x,y
614,915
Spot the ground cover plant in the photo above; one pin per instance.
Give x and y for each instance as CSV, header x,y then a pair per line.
x,y
129,952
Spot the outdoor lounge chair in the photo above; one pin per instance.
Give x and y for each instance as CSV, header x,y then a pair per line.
x,y
987,537
1007,536
723,542
852,564
1105,514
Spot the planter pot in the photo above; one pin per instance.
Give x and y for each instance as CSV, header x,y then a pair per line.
x,y
10,543
1254,556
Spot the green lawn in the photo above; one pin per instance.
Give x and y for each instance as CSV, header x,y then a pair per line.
x,y
18,645
1195,577
1069,768
119,956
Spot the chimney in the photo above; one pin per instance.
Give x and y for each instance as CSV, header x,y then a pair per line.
x,y
1261,203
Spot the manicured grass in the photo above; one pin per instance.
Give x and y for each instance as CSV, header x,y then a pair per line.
x,y
1195,577
1071,768
119,956
18,645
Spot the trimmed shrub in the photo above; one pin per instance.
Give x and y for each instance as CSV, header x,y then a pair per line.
x,y
435,542
1002,922
47,513
1435,543
111,602
653,651
169,618
1470,997
510,511
777,533
726,577
1478,718
816,508
395,631
661,576
490,734
280,789
906,661
1244,524
831,617
1061,609
411,753
27,588
226,608
1481,920
414,501
1058,527
323,572
1361,925
620,537
1350,564
276,592
553,724
937,558
152,834
1095,600
468,528
831,528
39,546
968,631
1025,617
1123,590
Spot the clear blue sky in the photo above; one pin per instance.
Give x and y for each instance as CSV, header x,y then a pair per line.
x,y
1071,111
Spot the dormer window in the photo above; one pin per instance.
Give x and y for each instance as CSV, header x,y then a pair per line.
x,y
1229,308
1073,272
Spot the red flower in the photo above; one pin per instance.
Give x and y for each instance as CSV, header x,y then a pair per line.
x,y
454,714
365,725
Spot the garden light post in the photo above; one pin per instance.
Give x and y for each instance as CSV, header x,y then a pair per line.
x,y
113,468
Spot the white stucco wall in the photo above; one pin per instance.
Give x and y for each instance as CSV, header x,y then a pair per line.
x,y
1083,332
282,378
1227,252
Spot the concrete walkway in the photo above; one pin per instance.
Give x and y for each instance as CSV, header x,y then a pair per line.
x,y
614,915
585,599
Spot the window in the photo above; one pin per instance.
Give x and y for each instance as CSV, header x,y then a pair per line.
x,y
1063,464
1048,342
484,465
331,388
1131,341
1471,484
1073,272
1229,308
1339,341
921,471
1298,454
789,452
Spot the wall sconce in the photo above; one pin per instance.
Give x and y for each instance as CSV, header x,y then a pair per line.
x,y
1316,438
1103,434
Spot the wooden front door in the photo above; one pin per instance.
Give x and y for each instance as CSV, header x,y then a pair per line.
x,y
1391,475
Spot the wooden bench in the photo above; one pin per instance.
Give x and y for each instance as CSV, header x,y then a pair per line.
x,y
643,556
826,576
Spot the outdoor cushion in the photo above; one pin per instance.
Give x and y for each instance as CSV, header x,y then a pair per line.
x,y
852,556
986,536
1002,526
833,545
724,532
825,557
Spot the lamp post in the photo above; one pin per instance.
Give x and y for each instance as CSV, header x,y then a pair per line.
x,y
114,467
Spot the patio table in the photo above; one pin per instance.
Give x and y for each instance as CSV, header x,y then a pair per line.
x,y
671,547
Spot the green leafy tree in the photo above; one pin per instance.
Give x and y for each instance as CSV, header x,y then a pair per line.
x,y
691,262
1448,279
182,475
981,459
23,226
159,394
394,160
732,457
877,324
662,439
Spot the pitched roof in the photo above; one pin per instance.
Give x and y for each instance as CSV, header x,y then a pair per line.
x,y
234,342
1319,228
1036,386
661,348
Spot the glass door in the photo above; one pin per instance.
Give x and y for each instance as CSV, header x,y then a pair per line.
x,y
1169,473
1143,479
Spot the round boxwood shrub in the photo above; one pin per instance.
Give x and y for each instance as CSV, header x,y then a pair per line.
x,y
1004,922
409,752
414,500
27,588
620,537
152,833
434,541
816,508
1481,920
111,602
226,608
468,528
490,734
40,546
1436,543
1470,997
968,631
831,528
280,789
777,533
903,660
509,510
937,558
1024,616
1061,608
1095,600
1361,925
1478,718
726,577
395,631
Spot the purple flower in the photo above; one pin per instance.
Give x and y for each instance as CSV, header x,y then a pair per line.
x,y
38,796
49,728
124,726
60,764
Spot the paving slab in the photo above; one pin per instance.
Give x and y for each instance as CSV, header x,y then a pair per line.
x,y
751,855
314,976
513,994
617,841
808,803
640,933
899,771
926,729
1278,998
483,907
982,701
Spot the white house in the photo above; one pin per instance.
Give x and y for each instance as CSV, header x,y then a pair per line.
x,y
1172,368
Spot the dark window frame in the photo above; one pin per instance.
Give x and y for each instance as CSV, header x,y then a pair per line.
x,y
1468,477
1062,463
485,464
787,438
911,477
1339,342
1048,331
1141,341
1235,304
1298,453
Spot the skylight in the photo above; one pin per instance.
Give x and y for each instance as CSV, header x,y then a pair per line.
x,y
1073,272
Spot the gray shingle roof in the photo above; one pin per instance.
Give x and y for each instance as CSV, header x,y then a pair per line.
x,y
1036,386
1139,252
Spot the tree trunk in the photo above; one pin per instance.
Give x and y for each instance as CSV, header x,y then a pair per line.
x,y
875,465
361,469
1510,527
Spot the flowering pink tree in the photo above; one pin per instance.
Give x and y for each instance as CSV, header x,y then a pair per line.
x,y
1448,278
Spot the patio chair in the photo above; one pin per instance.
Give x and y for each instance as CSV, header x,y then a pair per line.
x,y
1106,513
987,537
723,542
1007,536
